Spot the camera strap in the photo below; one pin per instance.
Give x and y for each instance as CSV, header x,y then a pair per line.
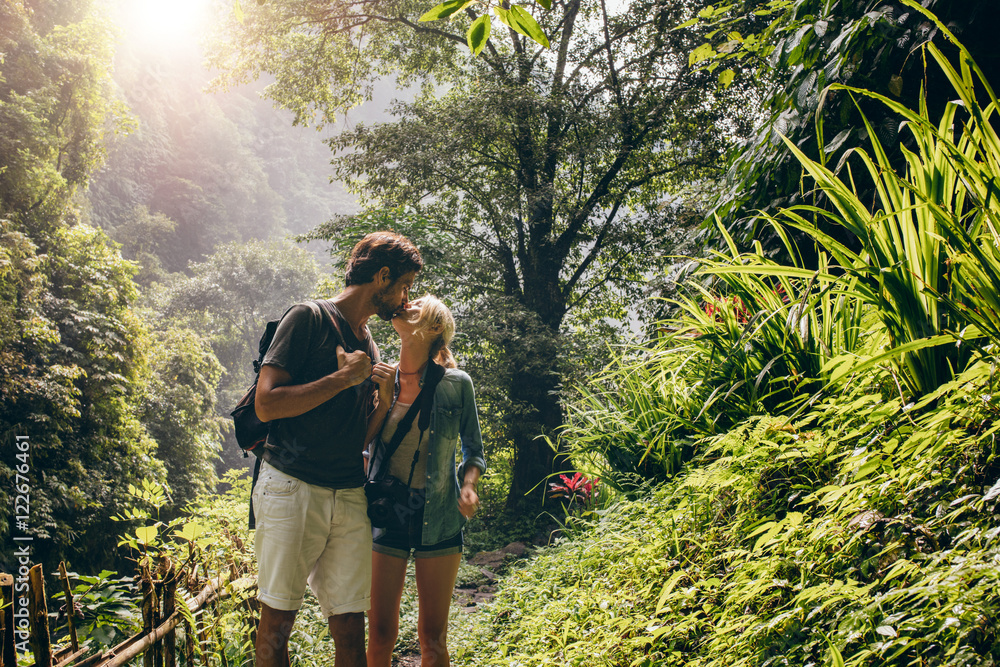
x,y
422,404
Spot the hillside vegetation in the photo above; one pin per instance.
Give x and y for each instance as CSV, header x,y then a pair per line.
x,y
824,440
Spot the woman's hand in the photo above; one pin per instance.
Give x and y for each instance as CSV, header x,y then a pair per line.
x,y
384,376
468,500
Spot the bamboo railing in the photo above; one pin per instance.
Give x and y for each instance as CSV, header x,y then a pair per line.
x,y
27,625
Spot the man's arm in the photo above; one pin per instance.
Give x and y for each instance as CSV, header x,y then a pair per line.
x,y
278,399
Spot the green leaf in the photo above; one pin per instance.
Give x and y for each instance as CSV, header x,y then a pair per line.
x,y
667,588
896,85
445,9
893,354
191,531
478,34
238,11
546,4
504,16
726,77
529,27
836,659
146,534
703,52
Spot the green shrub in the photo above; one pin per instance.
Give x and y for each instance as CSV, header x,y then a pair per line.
x,y
863,530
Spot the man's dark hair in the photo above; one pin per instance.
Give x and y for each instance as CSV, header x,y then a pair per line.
x,y
380,249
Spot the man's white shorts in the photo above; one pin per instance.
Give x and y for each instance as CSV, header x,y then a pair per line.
x,y
315,534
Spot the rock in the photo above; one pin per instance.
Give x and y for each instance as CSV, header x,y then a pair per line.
x,y
489,559
515,549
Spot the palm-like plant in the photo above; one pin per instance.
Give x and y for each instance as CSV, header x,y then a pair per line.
x,y
925,263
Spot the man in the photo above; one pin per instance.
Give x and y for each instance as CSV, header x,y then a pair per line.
x,y
309,501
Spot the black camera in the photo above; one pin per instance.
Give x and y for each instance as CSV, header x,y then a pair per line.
x,y
388,502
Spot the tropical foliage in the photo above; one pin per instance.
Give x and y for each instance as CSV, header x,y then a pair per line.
x,y
831,504
73,363
793,52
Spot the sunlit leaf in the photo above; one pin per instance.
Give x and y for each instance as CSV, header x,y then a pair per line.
x,y
836,659
191,531
701,53
478,34
528,26
886,631
504,16
445,9
726,77
147,534
994,492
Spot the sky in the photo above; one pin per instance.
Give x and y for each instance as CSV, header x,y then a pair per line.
x,y
164,26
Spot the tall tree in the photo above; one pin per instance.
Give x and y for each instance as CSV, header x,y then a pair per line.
x,y
73,358
546,169
179,411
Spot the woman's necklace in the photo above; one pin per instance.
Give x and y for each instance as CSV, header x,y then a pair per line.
x,y
416,372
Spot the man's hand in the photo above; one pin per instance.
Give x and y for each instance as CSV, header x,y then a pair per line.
x,y
358,365
384,375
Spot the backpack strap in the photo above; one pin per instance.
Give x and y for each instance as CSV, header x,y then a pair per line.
x,y
252,520
327,307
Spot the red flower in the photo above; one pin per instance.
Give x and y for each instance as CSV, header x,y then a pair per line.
x,y
578,488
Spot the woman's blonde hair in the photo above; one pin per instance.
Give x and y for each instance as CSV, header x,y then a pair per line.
x,y
436,320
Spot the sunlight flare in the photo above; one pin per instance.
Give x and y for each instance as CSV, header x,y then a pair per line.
x,y
161,24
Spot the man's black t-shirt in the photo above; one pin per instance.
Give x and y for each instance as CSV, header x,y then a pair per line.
x,y
322,446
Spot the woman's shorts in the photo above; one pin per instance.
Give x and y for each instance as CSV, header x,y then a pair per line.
x,y
400,542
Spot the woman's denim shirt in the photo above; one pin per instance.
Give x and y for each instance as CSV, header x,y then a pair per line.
x,y
453,417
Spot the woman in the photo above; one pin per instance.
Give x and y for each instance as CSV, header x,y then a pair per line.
x,y
446,498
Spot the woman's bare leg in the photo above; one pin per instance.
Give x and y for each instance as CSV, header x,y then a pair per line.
x,y
388,577
435,586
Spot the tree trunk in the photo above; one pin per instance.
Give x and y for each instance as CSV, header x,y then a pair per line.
x,y
534,383
534,459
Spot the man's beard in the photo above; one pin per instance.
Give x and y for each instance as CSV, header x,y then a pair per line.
x,y
385,308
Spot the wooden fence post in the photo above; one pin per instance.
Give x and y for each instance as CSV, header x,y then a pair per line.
x,y
38,616
70,608
8,654
169,576
148,603
189,640
157,648
199,619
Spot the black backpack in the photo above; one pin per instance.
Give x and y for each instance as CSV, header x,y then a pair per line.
x,y
251,432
